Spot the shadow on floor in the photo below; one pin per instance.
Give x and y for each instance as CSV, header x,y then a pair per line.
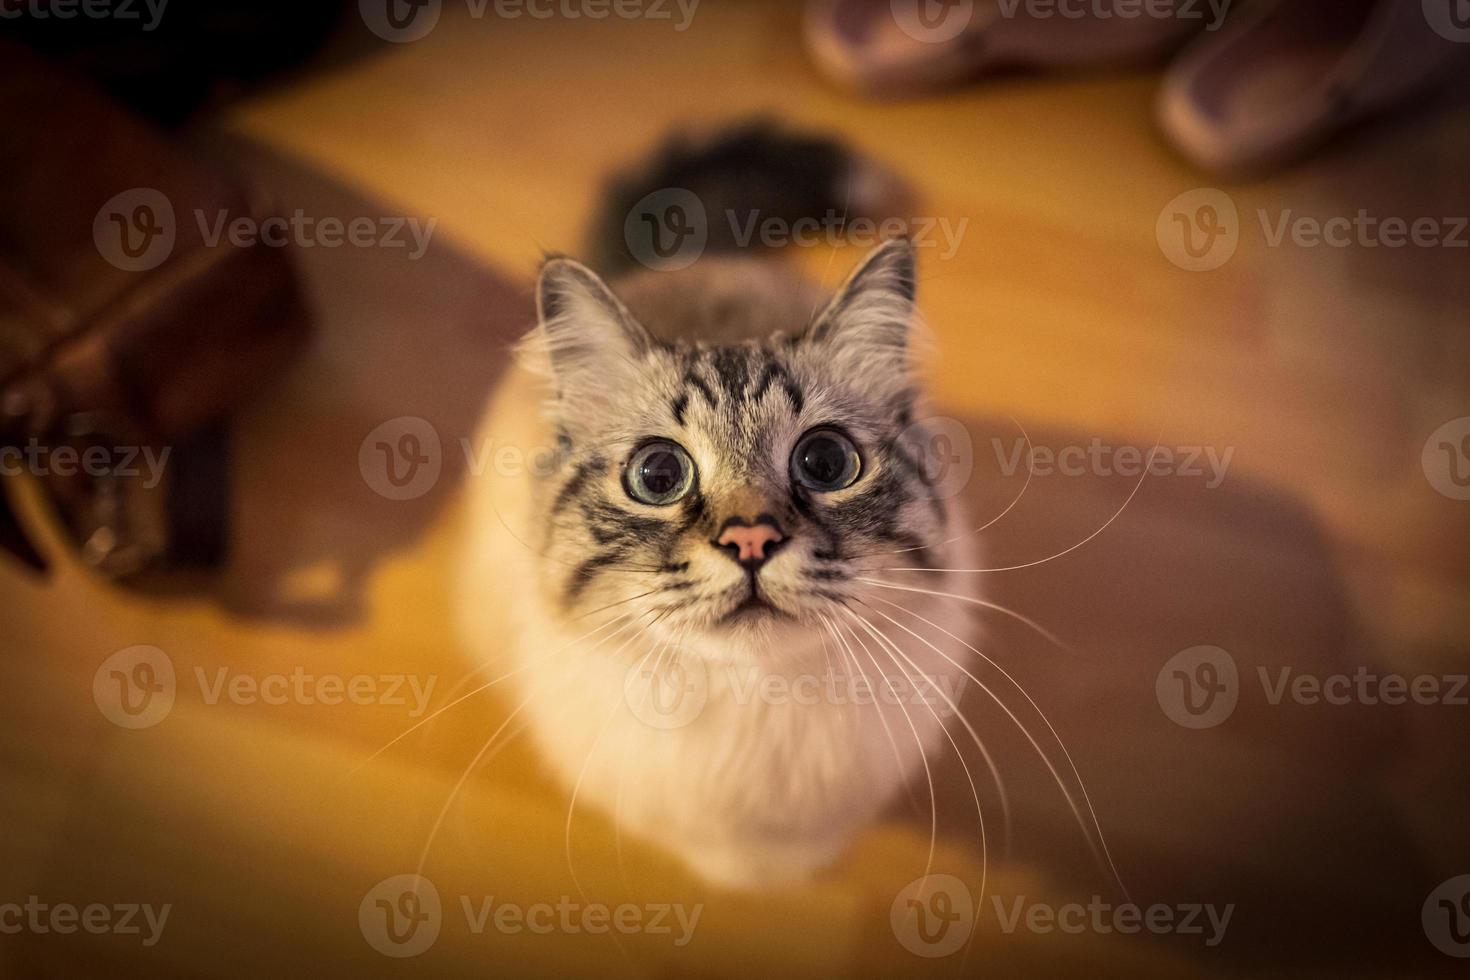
x,y
348,459
1279,808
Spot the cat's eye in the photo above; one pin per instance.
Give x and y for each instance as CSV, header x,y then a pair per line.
x,y
659,473
825,460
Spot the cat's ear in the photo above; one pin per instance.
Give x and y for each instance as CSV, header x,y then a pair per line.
x,y
869,324
585,334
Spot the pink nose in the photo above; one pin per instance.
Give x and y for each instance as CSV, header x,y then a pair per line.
x,y
752,541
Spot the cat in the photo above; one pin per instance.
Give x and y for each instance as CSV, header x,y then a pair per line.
x,y
717,457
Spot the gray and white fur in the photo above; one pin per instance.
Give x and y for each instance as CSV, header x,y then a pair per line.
x,y
696,668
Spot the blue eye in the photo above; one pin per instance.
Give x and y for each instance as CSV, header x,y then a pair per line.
x,y
825,460
659,473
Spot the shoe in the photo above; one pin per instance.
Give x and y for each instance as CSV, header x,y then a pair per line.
x,y
888,47
1291,73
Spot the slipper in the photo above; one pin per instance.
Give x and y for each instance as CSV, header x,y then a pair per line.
x,y
1280,81
885,47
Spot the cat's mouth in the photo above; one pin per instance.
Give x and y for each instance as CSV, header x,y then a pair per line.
x,y
753,607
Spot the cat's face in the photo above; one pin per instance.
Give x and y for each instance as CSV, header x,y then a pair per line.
x,y
730,493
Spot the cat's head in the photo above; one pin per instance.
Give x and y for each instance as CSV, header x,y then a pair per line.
x,y
729,493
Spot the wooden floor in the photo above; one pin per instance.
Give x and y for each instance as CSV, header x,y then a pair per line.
x,y
1323,371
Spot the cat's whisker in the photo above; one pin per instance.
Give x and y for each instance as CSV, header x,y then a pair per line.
x,y
459,785
882,719
485,753
614,605
486,686
893,653
1030,474
1148,464
918,742
618,705
610,567
990,764
1104,857
622,773
826,655
1045,633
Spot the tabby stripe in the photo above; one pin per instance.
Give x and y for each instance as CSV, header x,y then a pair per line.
x,y
732,370
834,544
916,471
698,384
584,573
608,523
573,487
793,391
